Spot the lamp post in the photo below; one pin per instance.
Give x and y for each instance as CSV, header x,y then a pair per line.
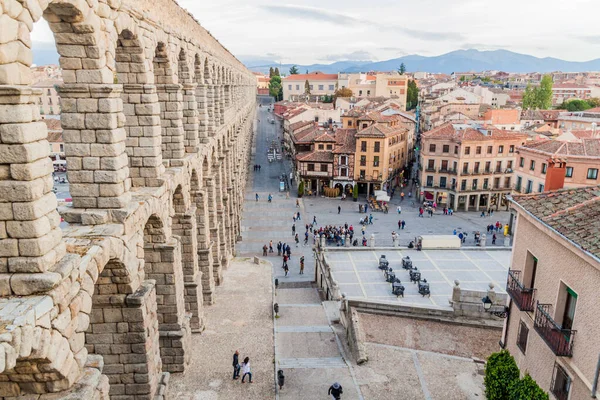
x,y
487,306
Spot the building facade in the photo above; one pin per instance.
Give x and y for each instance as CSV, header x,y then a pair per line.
x,y
468,167
319,84
563,92
553,320
588,120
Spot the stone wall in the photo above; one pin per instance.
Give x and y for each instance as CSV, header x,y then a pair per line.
x,y
158,121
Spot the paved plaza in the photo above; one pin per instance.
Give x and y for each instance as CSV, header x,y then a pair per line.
x,y
357,273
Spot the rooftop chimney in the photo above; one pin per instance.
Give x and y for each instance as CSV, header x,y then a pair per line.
x,y
555,175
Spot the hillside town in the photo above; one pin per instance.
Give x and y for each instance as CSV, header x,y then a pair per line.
x,y
186,214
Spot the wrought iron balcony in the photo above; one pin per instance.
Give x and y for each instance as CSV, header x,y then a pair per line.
x,y
522,296
559,340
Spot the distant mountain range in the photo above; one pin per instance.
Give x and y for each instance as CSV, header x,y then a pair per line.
x,y
455,61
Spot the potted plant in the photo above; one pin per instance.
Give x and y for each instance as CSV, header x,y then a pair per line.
x,y
301,189
355,193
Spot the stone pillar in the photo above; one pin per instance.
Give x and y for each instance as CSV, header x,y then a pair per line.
x,y
142,113
211,109
215,237
30,237
184,226
190,118
205,256
163,264
201,103
222,102
221,215
92,120
170,97
477,202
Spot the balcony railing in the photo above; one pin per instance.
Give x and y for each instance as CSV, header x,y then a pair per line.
x,y
430,169
522,296
559,340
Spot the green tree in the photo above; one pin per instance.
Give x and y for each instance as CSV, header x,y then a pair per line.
x,y
301,189
594,102
294,70
577,105
271,72
501,372
544,93
355,192
529,98
276,72
527,389
307,88
412,95
402,69
275,86
343,92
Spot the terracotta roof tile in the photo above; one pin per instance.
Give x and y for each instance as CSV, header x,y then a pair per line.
x,y
451,130
573,213
345,141
312,77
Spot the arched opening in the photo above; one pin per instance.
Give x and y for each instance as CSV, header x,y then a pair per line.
x,y
201,98
210,97
210,185
162,263
170,99
349,189
141,109
122,332
190,112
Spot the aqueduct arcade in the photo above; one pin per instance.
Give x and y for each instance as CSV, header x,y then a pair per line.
x,y
157,121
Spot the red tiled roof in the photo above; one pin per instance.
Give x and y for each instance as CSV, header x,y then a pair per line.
x,y
325,137
449,131
312,77
379,130
573,213
584,148
300,124
315,156
345,141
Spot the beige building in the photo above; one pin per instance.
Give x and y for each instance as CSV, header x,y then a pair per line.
x,y
50,100
588,120
320,84
468,167
571,160
553,322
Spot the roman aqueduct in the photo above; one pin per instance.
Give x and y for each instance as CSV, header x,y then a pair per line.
x,y
157,121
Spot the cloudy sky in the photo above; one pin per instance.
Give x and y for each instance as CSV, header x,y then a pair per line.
x,y
324,31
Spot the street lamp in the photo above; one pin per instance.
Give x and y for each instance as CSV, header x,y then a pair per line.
x,y
487,306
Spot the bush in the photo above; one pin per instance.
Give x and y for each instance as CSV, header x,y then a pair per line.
x,y
301,189
527,389
501,372
355,192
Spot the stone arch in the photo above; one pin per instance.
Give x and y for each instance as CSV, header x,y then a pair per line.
x,y
141,109
162,263
209,81
190,107
122,330
201,98
170,99
211,186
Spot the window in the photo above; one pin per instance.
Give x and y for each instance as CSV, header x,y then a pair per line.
x,y
289,87
368,92
455,149
465,168
561,383
544,168
362,174
343,160
376,161
485,183
496,183
570,303
321,147
500,149
541,188
522,336
360,92
476,168
474,185
592,173
329,147
310,167
324,168
311,87
321,87
511,149
519,182
344,172
444,165
349,122
467,150
443,182
463,184
521,162
509,165
363,161
377,147
445,148
363,146
490,149
297,87
532,165
331,87
61,148
50,100
529,188
478,150
507,182
429,181
432,148
488,166
569,172
498,166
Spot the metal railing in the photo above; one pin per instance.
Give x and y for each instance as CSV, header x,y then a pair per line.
x,y
558,339
522,296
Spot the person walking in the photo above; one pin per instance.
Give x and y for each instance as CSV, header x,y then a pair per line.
x,y
297,240
314,220
246,370
403,223
370,219
297,203
279,248
256,196
335,391
270,197
339,209
302,265
270,246
285,259
494,238
399,210
265,248
399,224
298,216
306,238
402,197
236,365
286,269
293,229
363,230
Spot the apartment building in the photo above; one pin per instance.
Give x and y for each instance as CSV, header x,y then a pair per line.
x,y
319,84
386,85
507,119
343,160
49,101
553,321
571,160
468,167
580,120
315,167
562,92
